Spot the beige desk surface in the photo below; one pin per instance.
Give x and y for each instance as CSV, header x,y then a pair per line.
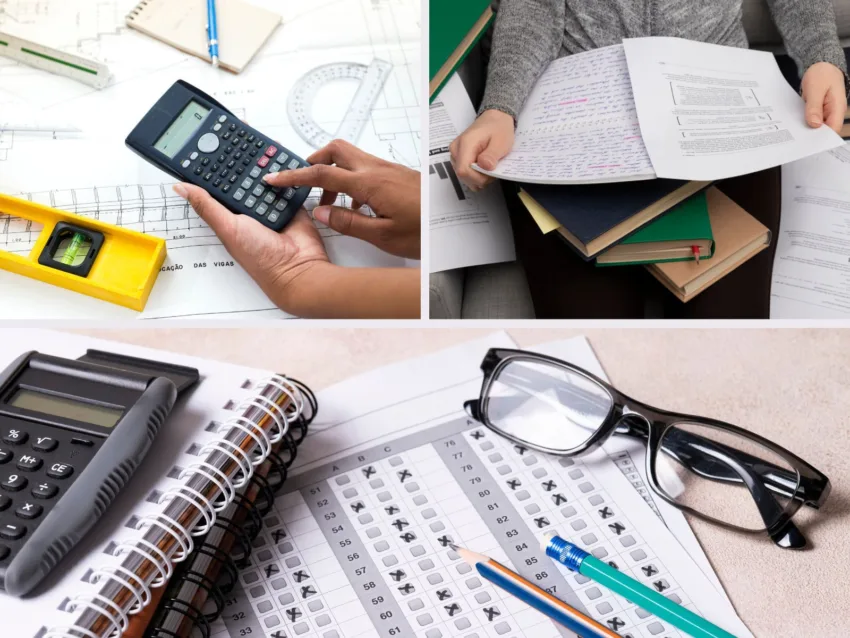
x,y
788,385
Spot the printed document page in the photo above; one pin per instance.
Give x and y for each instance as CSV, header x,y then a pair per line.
x,y
467,228
811,269
579,125
709,112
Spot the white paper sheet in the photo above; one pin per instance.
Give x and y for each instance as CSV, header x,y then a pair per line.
x,y
811,268
220,383
708,111
467,228
102,175
392,412
579,125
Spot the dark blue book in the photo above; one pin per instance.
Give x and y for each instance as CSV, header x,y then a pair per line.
x,y
594,217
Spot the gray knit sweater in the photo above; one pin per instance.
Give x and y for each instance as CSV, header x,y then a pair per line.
x,y
529,34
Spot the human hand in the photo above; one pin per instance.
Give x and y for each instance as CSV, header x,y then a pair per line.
x,y
392,191
278,262
487,140
825,95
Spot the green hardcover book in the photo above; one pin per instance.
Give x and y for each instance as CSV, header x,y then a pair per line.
x,y
671,237
455,26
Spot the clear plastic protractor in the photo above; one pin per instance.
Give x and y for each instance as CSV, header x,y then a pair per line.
x,y
371,79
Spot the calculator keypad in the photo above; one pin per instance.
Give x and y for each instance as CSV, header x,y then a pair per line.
x,y
234,150
38,464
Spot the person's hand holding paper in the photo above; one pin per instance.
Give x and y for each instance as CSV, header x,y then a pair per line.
x,y
825,93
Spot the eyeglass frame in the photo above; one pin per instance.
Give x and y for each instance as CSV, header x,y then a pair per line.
x,y
813,486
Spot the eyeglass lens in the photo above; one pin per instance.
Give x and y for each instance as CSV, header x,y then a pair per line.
x,y
546,405
720,474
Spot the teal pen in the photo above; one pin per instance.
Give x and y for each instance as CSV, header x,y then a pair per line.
x,y
578,560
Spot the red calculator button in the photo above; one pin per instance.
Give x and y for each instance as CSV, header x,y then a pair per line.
x,y
263,161
271,151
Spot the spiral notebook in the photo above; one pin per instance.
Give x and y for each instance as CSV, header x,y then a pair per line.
x,y
243,28
199,482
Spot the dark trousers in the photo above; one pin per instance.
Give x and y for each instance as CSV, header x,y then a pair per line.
x,y
563,286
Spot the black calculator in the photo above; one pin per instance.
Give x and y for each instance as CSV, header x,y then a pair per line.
x,y
194,138
72,432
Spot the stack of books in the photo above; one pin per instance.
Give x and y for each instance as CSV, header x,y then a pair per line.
x,y
687,234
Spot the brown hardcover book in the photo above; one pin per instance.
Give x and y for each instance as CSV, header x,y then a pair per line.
x,y
738,236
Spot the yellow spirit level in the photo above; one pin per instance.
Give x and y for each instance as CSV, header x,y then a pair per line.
x,y
85,255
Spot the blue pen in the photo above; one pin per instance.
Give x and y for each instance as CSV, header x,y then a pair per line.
x,y
212,31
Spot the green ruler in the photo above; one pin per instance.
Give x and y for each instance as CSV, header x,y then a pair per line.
x,y
54,61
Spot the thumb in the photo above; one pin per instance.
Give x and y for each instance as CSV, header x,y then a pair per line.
x,y
814,105
499,146
217,217
351,223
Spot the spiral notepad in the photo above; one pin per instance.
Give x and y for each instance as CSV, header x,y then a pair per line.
x,y
220,442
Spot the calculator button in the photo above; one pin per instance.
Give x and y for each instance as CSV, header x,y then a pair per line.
x,y
29,511
44,490
253,152
258,191
252,137
274,168
15,437
260,144
208,143
271,151
224,173
185,163
239,194
289,193
222,119
217,181
217,128
269,198
239,170
261,210
281,205
246,161
4,552
293,165
247,183
205,161
232,179
222,159
12,532
194,156
232,163
215,168
225,188
84,442
226,136
255,172
28,463
60,471
273,217
44,444
5,456
5,502
14,483
281,159
199,170
237,155
232,127
242,132
263,161
228,150
250,201
208,177
245,147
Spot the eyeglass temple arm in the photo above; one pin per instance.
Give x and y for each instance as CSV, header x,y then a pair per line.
x,y
786,535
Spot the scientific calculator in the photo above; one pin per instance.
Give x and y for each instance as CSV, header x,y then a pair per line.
x,y
195,139
71,435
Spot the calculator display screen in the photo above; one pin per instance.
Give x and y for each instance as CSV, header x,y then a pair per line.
x,y
182,129
66,408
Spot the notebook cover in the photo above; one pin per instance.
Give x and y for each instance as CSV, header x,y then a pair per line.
x,y
687,220
590,210
455,28
734,228
242,28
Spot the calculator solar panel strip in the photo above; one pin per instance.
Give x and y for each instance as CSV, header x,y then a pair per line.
x,y
72,433
196,139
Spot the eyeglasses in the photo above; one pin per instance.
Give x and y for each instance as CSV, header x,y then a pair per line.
x,y
711,469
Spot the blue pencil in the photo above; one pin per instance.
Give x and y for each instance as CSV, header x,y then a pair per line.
x,y
212,31
533,596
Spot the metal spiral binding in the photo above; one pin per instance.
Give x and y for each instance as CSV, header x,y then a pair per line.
x,y
120,578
